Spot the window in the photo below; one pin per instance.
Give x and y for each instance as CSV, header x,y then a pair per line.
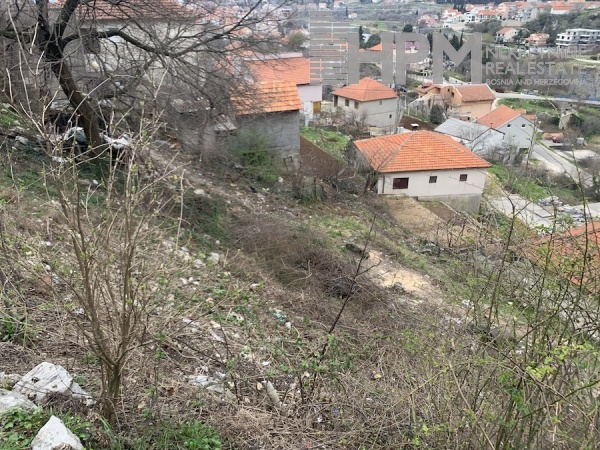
x,y
433,179
463,177
523,125
355,105
400,183
390,116
347,102
381,102
335,100
508,126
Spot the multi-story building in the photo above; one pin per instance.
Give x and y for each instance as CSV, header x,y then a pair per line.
x,y
578,37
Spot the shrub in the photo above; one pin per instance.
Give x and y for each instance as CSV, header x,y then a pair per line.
x,y
253,151
436,115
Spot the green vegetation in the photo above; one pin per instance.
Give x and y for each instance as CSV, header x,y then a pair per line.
x,y
18,428
532,106
530,186
332,142
254,152
8,117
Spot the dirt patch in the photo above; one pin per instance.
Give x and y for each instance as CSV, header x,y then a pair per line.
x,y
410,214
389,275
407,122
435,222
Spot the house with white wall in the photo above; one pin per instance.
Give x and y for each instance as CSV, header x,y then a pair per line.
x,y
518,130
478,138
506,34
376,102
427,166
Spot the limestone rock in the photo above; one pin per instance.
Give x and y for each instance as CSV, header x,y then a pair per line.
x,y
47,378
56,436
12,400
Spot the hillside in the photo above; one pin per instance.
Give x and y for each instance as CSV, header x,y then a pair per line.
x,y
299,313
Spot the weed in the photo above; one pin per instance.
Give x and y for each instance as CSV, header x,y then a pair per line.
x,y
14,328
18,428
254,152
331,142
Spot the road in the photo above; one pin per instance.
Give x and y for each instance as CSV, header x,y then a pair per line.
x,y
556,163
551,99
530,213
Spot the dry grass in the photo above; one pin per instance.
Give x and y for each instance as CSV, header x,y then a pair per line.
x,y
401,370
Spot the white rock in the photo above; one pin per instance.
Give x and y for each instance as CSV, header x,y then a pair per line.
x,y
12,400
211,384
47,378
214,258
56,436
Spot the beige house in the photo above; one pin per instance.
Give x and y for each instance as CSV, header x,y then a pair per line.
x,y
506,35
463,101
537,39
371,101
427,166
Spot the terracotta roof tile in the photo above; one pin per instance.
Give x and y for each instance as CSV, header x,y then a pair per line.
x,y
499,116
475,92
130,10
418,151
271,96
566,252
296,70
366,90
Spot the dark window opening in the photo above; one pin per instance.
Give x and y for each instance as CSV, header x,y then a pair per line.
x,y
463,177
347,102
400,183
355,105
433,179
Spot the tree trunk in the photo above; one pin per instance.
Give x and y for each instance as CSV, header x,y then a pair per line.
x,y
112,394
87,115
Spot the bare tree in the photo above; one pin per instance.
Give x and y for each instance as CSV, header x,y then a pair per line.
x,y
82,45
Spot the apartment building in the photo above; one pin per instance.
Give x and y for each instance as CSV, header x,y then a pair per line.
x,y
578,37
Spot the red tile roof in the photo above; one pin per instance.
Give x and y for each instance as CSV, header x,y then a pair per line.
x,y
268,97
498,117
296,70
418,151
566,254
475,92
130,10
365,91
